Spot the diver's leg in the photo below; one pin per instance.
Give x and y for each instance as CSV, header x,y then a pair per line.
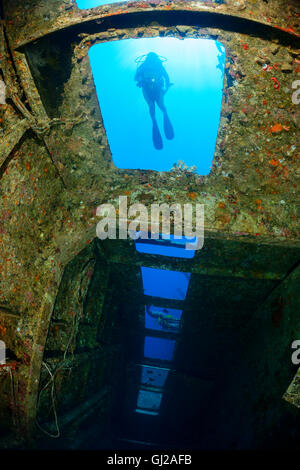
x,y
151,103
168,128
156,137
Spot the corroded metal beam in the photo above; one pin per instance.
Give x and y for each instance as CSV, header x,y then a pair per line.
x,y
27,23
6,313
222,256
11,139
80,413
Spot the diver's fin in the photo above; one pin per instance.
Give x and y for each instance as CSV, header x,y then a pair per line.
x,y
168,128
157,140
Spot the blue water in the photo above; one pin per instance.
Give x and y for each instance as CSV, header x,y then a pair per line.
x,y
165,284
149,400
83,4
195,67
154,376
167,245
159,348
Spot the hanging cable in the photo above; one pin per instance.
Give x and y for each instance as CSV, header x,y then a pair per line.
x,y
52,382
63,364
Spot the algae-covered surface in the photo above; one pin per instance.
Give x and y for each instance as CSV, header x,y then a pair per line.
x,y
292,393
59,287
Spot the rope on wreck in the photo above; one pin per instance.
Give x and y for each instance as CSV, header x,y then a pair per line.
x,y
10,368
43,128
40,128
13,394
52,382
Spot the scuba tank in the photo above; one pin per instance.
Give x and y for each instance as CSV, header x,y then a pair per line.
x,y
151,75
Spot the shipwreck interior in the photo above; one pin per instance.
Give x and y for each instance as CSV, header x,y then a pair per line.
x,y
142,344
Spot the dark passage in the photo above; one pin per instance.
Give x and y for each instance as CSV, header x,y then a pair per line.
x,y
179,361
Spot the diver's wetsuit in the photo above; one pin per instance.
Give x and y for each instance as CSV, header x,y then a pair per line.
x,y
152,77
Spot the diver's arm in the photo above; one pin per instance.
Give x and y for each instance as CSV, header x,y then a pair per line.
x,y
138,77
167,79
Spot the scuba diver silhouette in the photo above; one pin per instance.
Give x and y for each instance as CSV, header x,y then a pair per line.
x,y
152,77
